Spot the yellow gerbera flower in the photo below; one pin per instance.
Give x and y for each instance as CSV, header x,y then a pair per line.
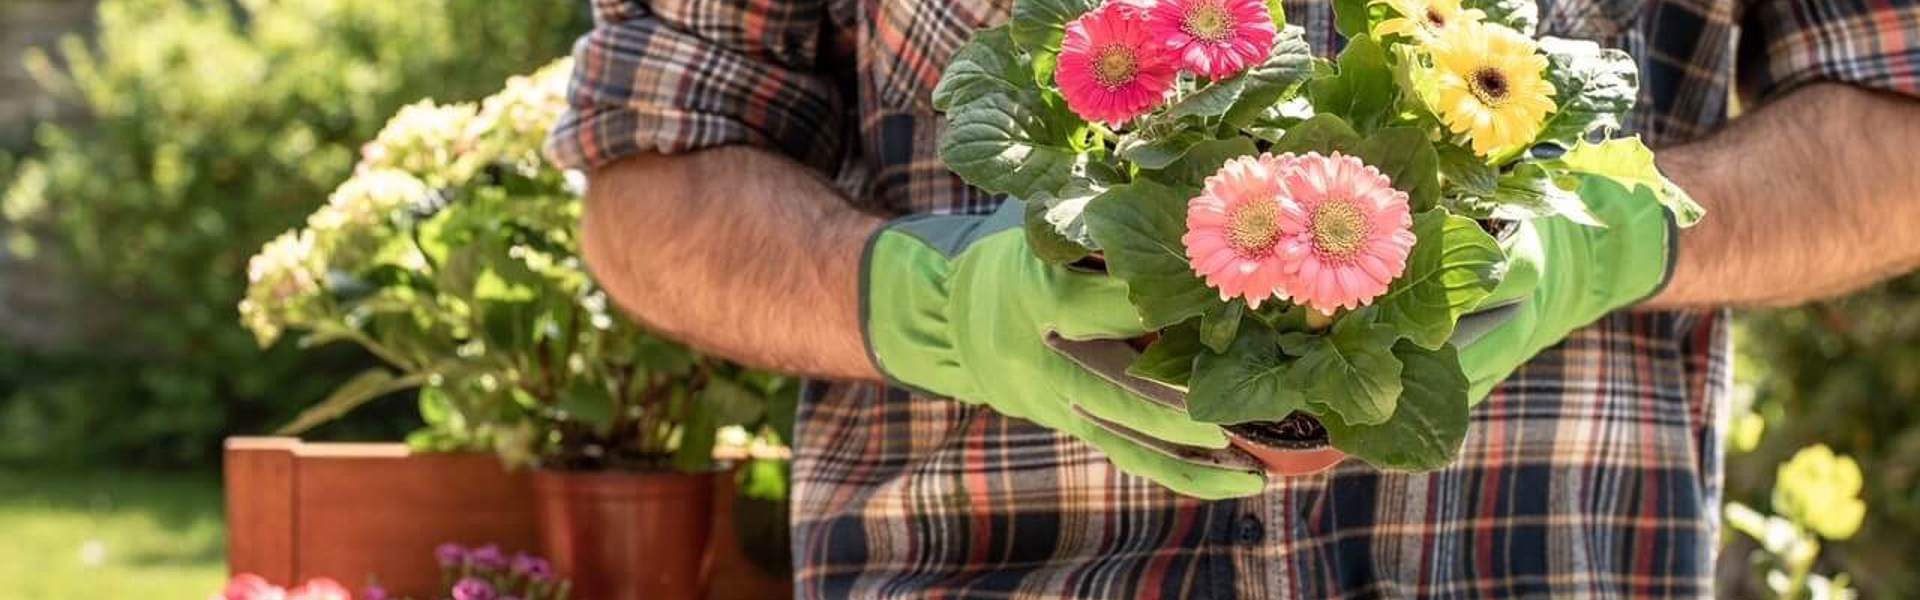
x,y
1490,85
1424,20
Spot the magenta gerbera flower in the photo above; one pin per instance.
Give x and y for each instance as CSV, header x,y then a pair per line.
x,y
1233,229
1111,69
1345,233
1214,38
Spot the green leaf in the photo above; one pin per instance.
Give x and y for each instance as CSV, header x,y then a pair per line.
x,y
1038,25
1453,265
1427,428
1213,99
1362,91
1350,18
1465,170
1530,192
587,401
730,404
1407,158
1287,65
1169,359
1246,383
1001,146
1628,162
1045,238
1139,226
697,435
361,389
1522,15
1322,133
1277,11
987,65
1203,160
1219,325
1147,150
1594,88
1351,372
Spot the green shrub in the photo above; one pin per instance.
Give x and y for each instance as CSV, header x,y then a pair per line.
x,y
211,126
1844,373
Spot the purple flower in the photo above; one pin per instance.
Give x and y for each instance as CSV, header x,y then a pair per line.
x,y
373,591
533,567
450,555
473,588
487,557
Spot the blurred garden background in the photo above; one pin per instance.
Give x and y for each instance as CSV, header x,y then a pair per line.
x,y
149,147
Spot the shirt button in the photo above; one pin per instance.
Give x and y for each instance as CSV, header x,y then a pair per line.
x,y
1252,530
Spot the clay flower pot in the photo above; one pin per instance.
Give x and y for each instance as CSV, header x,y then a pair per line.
x,y
626,536
1291,447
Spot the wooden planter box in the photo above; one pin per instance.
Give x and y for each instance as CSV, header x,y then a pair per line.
x,y
352,511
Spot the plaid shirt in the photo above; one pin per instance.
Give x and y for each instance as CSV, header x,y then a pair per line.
x,y
1594,471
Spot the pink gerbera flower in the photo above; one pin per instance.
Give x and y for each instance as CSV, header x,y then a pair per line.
x,y
1111,69
1345,232
1233,229
1215,38
1328,232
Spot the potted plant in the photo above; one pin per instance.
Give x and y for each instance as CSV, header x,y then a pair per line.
x,y
452,254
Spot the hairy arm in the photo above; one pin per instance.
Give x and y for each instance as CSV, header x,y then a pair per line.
x,y
737,251
1809,197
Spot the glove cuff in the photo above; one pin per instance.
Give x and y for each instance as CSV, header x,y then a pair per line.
x,y
904,294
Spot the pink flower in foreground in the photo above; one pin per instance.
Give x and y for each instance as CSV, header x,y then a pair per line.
x,y
1233,229
320,588
1111,69
1215,38
248,586
1346,232
1328,232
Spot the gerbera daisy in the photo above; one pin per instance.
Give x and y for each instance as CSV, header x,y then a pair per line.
x,y
1111,69
1214,38
1344,232
1490,85
1233,229
1424,20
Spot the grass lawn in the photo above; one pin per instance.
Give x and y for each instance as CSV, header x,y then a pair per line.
x,y
110,535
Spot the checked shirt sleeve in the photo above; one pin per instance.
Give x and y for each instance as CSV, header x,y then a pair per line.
x,y
672,76
1869,43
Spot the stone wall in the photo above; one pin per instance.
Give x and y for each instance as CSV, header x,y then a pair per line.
x,y
26,24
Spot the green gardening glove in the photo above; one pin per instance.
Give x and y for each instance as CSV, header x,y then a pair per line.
x,y
958,306
1563,276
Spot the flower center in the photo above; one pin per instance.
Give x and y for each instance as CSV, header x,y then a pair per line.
x,y
1208,21
1253,228
1115,66
1339,229
1489,85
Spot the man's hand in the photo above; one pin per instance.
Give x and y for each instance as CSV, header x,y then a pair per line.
x,y
1811,196
750,257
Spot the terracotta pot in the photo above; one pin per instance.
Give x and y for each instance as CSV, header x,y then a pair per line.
x,y
1286,458
626,536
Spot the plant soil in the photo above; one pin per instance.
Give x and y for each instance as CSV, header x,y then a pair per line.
x,y
1298,431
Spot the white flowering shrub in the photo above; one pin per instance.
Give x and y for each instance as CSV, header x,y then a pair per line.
x,y
453,255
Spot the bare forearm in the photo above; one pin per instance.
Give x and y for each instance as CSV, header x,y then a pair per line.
x,y
1809,197
736,251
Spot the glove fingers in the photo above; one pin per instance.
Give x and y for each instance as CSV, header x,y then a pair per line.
x,y
1195,479
1101,386
1092,305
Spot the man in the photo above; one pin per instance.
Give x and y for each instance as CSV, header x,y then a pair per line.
x,y
744,154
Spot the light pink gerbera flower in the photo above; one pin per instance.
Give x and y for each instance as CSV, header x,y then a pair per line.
x,y
1233,229
1111,69
1215,38
1328,232
1345,233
